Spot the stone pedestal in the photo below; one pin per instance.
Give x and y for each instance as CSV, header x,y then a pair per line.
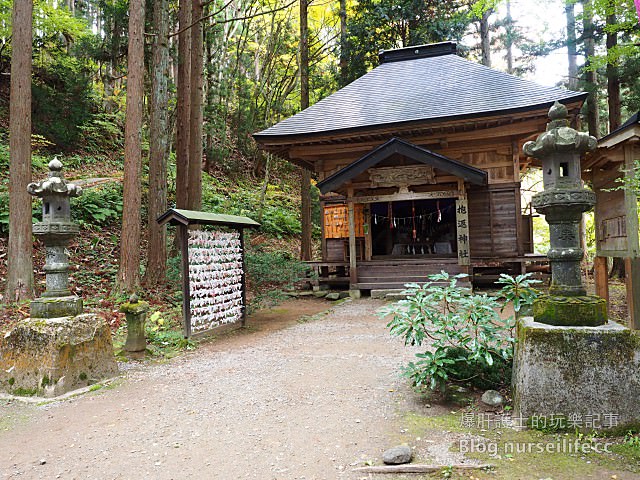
x,y
49,357
584,374
135,312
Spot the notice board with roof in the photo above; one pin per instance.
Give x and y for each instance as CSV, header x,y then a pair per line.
x,y
429,146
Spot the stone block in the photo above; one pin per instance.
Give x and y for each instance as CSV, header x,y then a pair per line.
x,y
56,307
584,310
577,373
49,357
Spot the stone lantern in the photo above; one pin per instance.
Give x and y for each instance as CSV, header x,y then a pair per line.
x,y
569,361
563,202
56,231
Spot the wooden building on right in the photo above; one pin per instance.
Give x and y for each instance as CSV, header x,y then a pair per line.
x,y
616,211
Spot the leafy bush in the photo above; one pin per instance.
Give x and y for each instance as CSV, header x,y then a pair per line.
x,y
270,272
470,343
273,269
98,206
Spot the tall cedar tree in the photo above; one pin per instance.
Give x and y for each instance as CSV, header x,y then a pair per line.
x,y
593,115
183,104
572,48
305,182
194,190
128,278
19,253
158,146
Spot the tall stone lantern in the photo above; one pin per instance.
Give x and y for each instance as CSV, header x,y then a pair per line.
x,y
570,363
563,202
56,231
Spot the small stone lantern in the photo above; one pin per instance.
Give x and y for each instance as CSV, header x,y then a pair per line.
x,y
56,231
563,202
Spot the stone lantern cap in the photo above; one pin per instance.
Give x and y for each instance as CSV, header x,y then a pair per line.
x,y
559,137
55,184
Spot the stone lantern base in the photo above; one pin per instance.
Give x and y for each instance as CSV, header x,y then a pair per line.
x,y
56,307
49,357
584,310
587,376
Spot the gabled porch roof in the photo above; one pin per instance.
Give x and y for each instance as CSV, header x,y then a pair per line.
x,y
409,150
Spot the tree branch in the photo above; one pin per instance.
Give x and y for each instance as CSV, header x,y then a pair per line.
x,y
235,19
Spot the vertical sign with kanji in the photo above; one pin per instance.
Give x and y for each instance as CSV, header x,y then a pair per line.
x,y
462,231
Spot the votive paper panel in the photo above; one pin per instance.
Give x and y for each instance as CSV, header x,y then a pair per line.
x,y
215,279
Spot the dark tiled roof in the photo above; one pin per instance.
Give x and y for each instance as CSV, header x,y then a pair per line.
x,y
632,120
423,88
419,154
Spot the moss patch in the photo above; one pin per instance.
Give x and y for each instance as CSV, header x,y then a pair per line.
x,y
586,311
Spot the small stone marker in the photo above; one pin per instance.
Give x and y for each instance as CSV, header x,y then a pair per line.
x,y
135,312
493,398
397,455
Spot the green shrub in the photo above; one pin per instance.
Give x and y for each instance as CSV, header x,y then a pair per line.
x,y
469,342
276,269
98,206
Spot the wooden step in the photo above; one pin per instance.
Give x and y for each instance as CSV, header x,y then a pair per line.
x,y
396,285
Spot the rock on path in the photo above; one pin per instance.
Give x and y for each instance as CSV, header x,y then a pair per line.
x,y
310,401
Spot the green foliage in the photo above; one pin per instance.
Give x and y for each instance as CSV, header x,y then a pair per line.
x,y
518,291
103,132
165,336
270,272
469,342
273,268
98,206
280,215
62,100
384,24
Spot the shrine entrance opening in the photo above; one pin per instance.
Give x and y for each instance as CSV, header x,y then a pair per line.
x,y
415,228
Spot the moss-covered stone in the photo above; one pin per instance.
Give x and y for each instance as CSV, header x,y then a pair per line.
x,y
577,372
48,357
586,310
56,307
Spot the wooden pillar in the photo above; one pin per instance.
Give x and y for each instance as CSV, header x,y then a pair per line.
x,y
632,280
323,233
353,272
368,240
601,277
632,262
183,232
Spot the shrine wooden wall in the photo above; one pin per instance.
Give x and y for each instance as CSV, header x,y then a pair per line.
x,y
494,214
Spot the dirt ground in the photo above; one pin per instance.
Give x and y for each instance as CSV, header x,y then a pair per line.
x,y
289,398
301,393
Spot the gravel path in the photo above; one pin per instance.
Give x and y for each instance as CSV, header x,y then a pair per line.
x,y
309,401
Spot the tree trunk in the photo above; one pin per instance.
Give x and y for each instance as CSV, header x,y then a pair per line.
x,y
128,278
305,182
194,191
509,38
613,79
485,42
572,54
158,147
183,104
344,60
593,116
265,185
20,248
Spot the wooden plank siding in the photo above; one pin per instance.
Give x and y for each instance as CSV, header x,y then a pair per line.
x,y
493,221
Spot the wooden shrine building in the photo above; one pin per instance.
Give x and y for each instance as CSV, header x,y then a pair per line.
x,y
616,211
418,163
